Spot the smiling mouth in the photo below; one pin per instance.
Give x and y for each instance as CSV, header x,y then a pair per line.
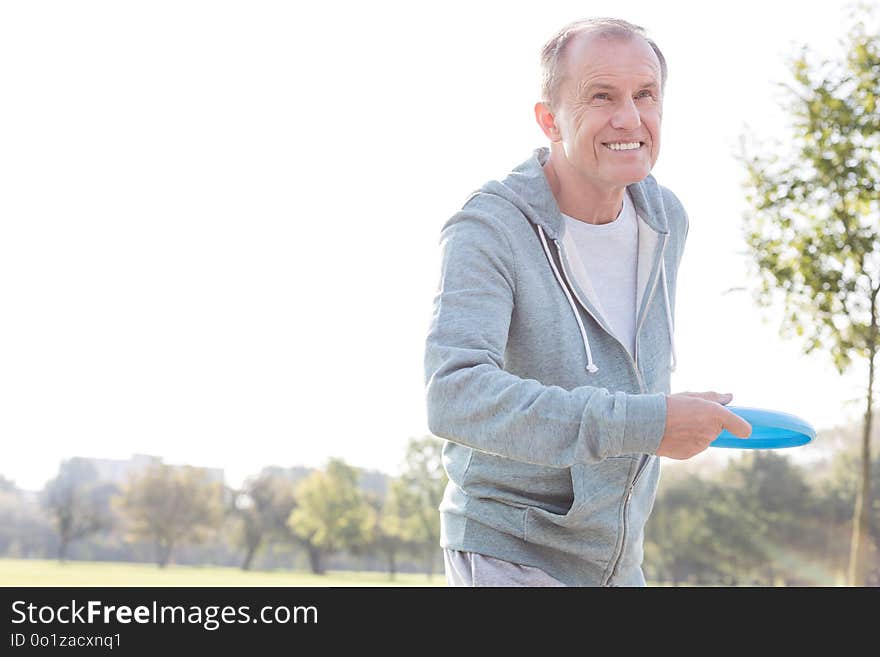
x,y
624,145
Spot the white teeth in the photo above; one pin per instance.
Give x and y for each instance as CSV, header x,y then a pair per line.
x,y
624,146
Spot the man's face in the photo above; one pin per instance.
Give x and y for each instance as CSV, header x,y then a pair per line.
x,y
610,101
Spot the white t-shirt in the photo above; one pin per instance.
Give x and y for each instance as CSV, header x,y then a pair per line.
x,y
609,253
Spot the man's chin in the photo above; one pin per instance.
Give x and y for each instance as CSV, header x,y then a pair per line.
x,y
631,175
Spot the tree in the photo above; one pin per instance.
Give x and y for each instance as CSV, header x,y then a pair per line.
x,y
389,532
835,502
77,502
423,481
813,229
10,505
699,532
171,504
331,513
770,493
263,507
678,543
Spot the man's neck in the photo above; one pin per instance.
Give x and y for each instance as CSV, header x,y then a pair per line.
x,y
580,199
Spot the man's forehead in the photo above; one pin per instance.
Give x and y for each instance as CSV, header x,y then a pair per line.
x,y
591,56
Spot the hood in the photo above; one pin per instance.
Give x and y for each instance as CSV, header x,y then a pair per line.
x,y
526,187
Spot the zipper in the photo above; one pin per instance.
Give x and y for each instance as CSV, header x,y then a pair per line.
x,y
644,463
629,494
634,363
648,300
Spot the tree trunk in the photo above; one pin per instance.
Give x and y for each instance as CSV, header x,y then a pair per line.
x,y
430,559
164,554
315,560
249,556
392,566
62,548
859,545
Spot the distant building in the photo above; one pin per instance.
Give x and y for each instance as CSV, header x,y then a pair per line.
x,y
118,471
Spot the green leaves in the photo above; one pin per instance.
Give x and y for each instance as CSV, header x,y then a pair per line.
x,y
761,520
169,505
813,227
813,222
332,513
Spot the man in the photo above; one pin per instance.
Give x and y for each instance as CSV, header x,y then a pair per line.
x,y
547,362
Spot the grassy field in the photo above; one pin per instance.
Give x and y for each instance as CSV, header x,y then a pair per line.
x,y
42,572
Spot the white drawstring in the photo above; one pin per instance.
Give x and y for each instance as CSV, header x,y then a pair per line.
x,y
591,367
668,311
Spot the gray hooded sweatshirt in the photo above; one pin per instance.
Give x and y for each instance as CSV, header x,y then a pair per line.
x,y
550,424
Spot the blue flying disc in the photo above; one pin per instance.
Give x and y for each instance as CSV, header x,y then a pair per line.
x,y
770,430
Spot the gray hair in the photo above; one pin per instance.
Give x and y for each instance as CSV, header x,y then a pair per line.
x,y
554,50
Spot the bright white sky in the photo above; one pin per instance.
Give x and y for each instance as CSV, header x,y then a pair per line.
x,y
219,221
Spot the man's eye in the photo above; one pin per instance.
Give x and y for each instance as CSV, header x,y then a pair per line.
x,y
600,96
645,94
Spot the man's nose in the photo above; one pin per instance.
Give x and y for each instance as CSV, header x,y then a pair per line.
x,y
626,116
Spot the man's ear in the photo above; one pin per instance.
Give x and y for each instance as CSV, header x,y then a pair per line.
x,y
547,121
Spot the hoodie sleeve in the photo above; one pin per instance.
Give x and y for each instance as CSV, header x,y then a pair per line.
x,y
473,401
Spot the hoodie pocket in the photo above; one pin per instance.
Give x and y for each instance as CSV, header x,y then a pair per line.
x,y
590,527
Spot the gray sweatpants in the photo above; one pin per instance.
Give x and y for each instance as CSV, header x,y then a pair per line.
x,y
473,569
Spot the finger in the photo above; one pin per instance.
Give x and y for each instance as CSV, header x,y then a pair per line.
x,y
736,425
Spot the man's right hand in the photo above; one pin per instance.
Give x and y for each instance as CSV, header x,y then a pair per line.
x,y
694,420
